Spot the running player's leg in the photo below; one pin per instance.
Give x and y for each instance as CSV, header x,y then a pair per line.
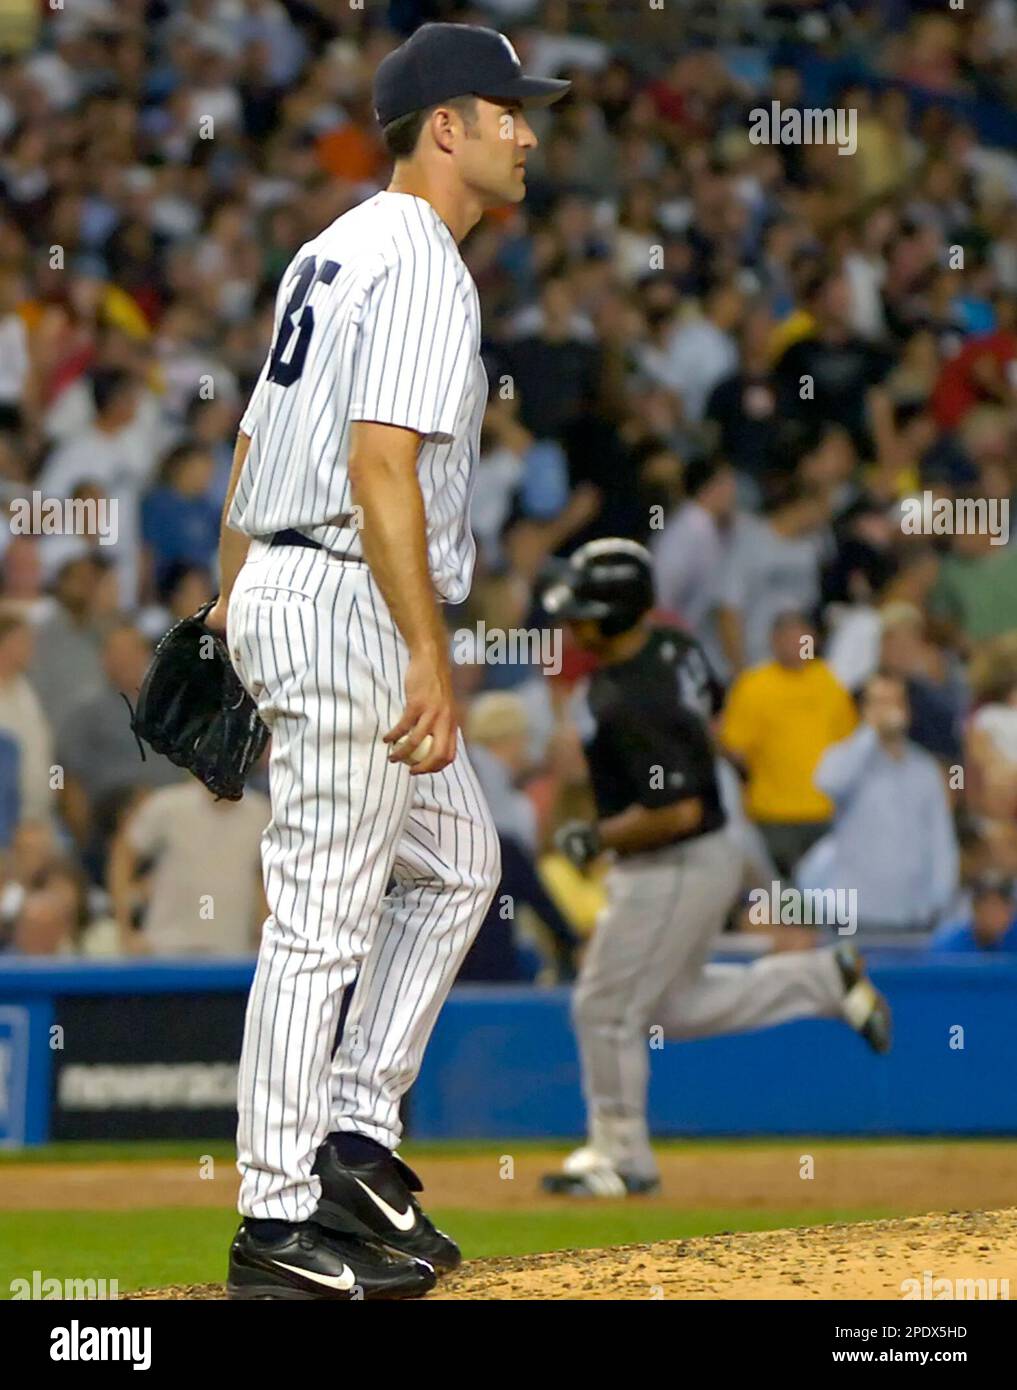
x,y
337,812
732,998
664,912
446,870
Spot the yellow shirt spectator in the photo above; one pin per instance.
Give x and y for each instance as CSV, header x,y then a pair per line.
x,y
779,721
580,896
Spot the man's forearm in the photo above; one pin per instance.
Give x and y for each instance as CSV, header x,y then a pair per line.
x,y
232,544
642,828
394,541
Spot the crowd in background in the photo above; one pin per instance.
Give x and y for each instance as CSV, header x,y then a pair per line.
x,y
750,357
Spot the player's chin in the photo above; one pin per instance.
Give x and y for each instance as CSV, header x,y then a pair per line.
x,y
515,191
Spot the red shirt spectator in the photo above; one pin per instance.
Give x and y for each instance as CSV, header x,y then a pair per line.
x,y
977,375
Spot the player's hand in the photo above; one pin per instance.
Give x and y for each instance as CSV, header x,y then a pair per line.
x,y
430,709
579,842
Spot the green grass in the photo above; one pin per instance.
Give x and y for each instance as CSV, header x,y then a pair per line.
x,y
133,1151
159,1246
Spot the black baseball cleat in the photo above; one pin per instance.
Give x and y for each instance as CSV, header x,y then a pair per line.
x,y
367,1191
309,1263
864,1008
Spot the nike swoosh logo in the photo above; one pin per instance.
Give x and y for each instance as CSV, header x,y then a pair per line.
x,y
346,1280
401,1220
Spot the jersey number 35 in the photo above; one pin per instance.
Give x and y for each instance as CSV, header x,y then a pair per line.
x,y
299,319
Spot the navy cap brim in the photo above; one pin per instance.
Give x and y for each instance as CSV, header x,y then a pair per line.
x,y
530,91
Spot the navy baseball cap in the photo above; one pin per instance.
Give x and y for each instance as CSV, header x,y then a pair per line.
x,y
442,61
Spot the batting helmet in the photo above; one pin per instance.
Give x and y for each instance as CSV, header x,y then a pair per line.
x,y
608,581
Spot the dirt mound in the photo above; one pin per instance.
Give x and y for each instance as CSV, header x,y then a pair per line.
x,y
871,1259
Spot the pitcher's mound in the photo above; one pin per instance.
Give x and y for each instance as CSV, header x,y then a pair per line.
x,y
976,1252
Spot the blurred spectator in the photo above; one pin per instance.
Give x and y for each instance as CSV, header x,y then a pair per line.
x,y
43,895
973,597
831,374
700,353
935,702
178,521
496,730
982,371
183,590
744,404
97,749
10,789
554,366
991,742
115,458
67,665
14,358
521,479
200,864
22,718
693,549
872,588
892,839
992,925
780,719
773,567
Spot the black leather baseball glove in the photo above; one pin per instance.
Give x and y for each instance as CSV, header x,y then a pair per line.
x,y
193,709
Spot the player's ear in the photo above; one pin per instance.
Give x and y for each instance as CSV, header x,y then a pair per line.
x,y
443,128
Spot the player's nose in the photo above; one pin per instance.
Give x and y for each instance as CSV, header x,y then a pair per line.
x,y
526,138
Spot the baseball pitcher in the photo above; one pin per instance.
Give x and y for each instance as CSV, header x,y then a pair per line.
x,y
345,528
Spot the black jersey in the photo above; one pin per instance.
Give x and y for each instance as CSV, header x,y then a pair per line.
x,y
644,731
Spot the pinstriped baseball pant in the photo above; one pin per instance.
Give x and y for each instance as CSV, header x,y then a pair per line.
x,y
316,647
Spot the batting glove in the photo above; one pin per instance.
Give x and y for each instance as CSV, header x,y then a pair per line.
x,y
579,842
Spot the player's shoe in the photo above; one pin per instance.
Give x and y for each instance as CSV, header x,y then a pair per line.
x,y
374,1198
309,1263
587,1173
865,1009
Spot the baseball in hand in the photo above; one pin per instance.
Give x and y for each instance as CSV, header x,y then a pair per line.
x,y
422,750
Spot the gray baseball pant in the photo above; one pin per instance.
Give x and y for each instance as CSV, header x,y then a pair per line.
x,y
648,966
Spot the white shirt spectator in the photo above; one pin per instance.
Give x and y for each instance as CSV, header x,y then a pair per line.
x,y
551,54
769,574
697,358
120,464
204,896
13,360
689,556
852,652
21,716
999,723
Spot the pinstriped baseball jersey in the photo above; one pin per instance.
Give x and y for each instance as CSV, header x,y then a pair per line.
x,y
377,318
376,881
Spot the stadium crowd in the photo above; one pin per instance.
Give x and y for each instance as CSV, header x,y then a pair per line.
x,y
777,365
